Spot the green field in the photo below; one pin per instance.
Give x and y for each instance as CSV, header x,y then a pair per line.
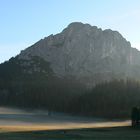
x,y
117,133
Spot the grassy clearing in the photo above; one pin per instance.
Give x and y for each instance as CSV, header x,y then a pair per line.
x,y
121,133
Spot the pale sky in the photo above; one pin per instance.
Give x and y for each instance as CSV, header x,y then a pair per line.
x,y
24,22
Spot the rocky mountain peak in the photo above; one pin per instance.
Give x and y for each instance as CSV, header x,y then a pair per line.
x,y
78,27
86,52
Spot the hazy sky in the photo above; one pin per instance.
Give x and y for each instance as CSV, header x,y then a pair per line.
x,y
23,22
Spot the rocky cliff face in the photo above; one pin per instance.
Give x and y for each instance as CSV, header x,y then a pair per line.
x,y
87,53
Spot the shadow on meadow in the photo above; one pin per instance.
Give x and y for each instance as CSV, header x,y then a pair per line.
x,y
114,133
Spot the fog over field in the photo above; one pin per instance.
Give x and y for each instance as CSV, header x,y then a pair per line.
x,y
20,120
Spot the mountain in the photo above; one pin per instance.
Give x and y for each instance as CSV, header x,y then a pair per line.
x,y
65,72
88,53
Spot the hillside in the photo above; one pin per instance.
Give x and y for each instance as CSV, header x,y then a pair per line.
x,y
88,53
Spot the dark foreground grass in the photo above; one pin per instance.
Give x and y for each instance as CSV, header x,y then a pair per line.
x,y
118,133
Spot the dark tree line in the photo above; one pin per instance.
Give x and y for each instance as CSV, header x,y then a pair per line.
x,y
111,99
